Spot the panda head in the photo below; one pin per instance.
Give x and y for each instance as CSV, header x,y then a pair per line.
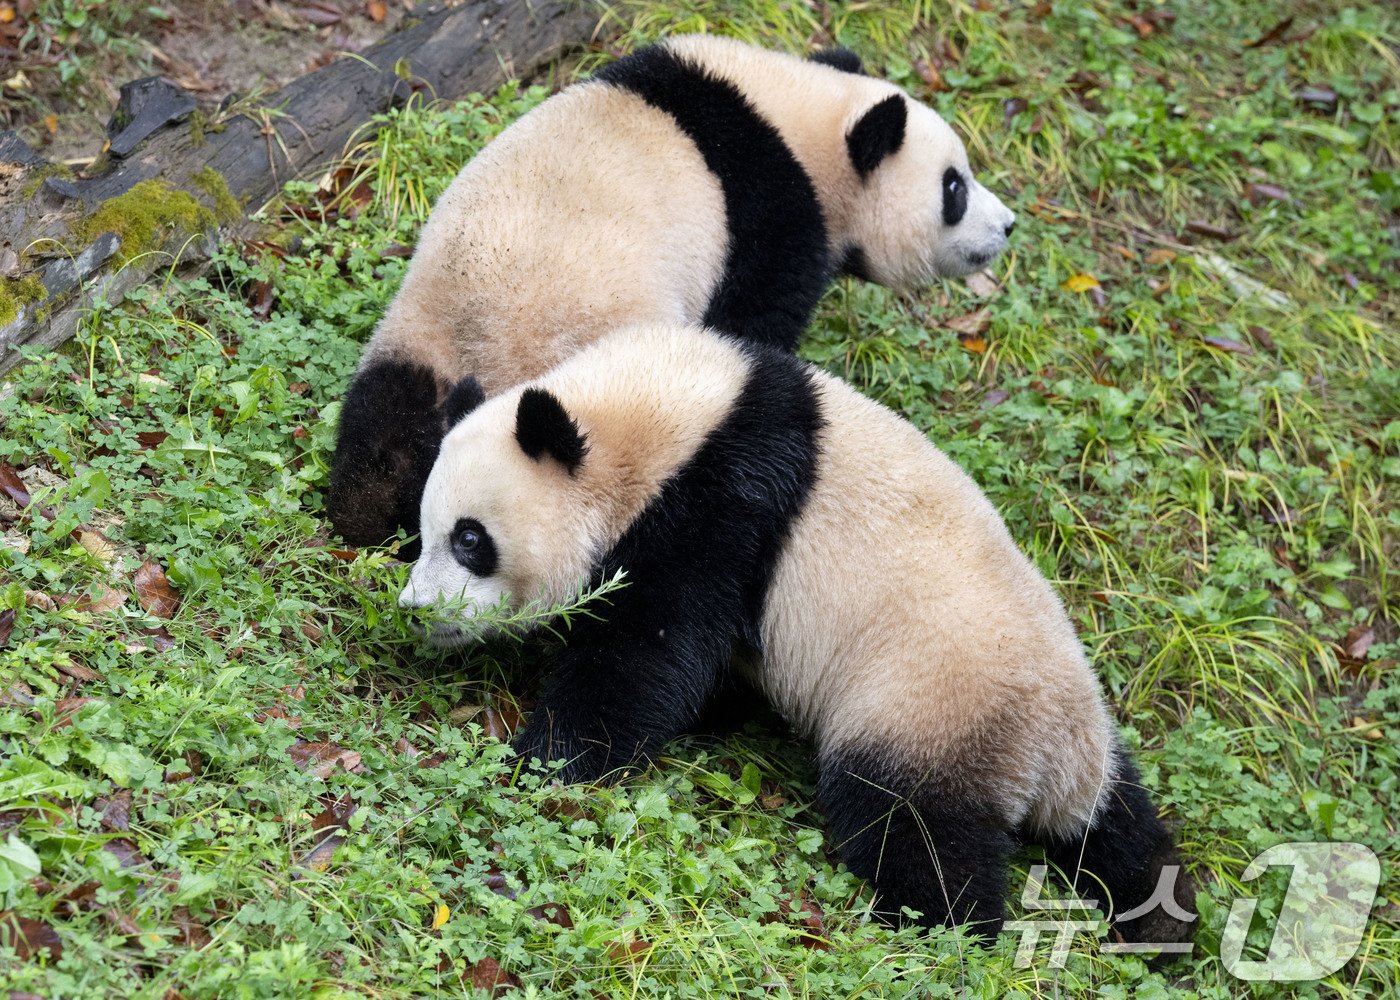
x,y
917,212
506,514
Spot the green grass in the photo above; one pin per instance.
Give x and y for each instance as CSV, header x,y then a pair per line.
x,y
1218,519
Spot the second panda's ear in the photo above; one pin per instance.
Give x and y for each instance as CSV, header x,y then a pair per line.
x,y
878,134
544,427
465,396
843,59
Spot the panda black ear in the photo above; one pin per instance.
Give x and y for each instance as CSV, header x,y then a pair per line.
x,y
544,427
878,134
465,396
843,59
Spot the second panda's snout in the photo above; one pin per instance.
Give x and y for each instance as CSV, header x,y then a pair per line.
x,y
988,226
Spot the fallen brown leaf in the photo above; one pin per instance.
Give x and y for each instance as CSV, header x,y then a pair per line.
x,y
16,694
80,673
1260,193
39,600
123,922
65,709
193,934
972,324
1325,97
500,722
334,820
337,813
376,10
321,759
994,397
97,544
116,813
278,712
27,936
151,439
1202,228
1261,337
552,913
812,920
13,486
1370,730
319,14
194,765
1226,344
100,600
7,625
1359,642
1272,35
807,915
160,637
154,591
497,882
262,299
1160,256
982,284
487,974
629,951
126,852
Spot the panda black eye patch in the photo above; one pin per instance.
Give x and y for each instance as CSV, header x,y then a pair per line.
x,y
472,547
954,197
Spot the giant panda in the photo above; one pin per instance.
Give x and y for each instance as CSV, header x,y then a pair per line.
x,y
700,179
773,522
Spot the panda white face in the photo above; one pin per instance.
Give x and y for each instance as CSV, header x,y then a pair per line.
x,y
920,214
501,527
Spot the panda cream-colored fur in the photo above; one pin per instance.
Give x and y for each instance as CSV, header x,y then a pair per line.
x,y
893,216
758,504
699,180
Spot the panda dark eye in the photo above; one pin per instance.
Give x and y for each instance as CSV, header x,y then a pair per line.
x,y
954,197
472,547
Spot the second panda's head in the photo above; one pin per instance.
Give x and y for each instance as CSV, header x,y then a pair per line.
x,y
506,517
918,213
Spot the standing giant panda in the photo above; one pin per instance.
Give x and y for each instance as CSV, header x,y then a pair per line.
x,y
701,179
759,505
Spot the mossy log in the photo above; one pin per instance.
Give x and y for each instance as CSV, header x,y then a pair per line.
x,y
172,181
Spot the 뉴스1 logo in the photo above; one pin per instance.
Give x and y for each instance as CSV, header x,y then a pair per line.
x,y
1321,921
1322,917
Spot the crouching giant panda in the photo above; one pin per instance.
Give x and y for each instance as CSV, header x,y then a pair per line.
x,y
701,179
761,506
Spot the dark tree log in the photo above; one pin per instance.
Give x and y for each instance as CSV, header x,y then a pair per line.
x,y
255,147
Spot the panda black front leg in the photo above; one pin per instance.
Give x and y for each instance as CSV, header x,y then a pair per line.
x,y
917,840
607,705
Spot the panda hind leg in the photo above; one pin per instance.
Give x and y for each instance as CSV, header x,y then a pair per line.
x,y
918,840
391,425
1120,858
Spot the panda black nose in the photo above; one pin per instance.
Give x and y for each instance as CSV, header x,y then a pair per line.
x,y
1010,226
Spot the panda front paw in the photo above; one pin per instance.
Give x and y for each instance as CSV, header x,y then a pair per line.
x,y
581,758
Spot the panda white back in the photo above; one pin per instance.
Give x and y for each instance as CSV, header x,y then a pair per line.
x,y
592,210
757,503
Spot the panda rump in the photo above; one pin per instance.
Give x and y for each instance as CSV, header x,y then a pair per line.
x,y
759,505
